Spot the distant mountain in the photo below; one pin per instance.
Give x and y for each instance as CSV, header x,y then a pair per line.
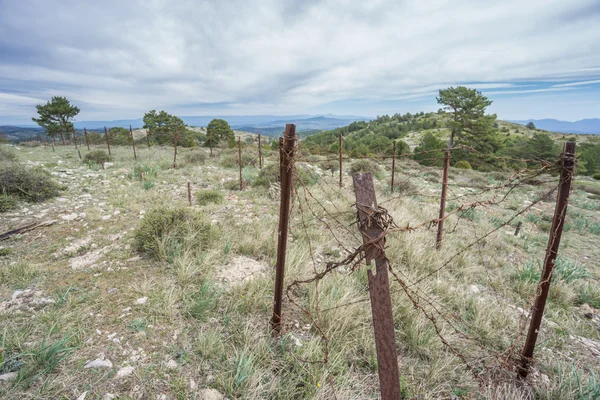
x,y
266,124
585,126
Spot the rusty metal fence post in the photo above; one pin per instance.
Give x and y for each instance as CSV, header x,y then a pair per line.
x,y
379,287
288,148
175,139
87,140
132,143
518,229
189,189
440,230
560,212
240,162
259,152
107,142
393,167
341,160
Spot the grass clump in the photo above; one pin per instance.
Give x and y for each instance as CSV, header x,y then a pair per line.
x,y
7,202
165,233
205,197
97,157
30,184
7,251
196,157
565,270
7,155
364,166
270,175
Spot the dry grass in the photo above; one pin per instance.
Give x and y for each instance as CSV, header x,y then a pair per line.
x,y
218,333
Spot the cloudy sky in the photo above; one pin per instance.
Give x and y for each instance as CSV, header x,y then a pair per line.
x,y
119,59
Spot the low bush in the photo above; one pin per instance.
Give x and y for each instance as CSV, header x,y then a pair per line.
x,y
270,175
31,184
204,197
166,232
462,164
232,184
364,166
97,157
7,155
230,160
196,157
404,187
596,176
7,202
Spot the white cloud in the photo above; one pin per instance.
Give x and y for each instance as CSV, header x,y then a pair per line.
x,y
119,59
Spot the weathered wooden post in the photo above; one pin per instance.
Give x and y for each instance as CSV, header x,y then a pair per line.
x,y
259,152
341,160
240,162
560,212
379,286
189,194
175,139
287,173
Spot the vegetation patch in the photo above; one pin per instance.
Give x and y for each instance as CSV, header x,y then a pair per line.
x,y
97,157
7,155
196,157
462,164
204,197
31,184
364,166
166,232
7,202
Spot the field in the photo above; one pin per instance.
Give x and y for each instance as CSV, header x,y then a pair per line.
x,y
85,314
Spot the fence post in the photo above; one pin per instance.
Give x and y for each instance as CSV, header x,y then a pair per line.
x,y
340,160
79,151
147,137
210,140
288,146
240,161
393,167
560,212
259,152
175,139
62,137
379,287
53,142
518,228
189,194
87,141
107,143
440,231
75,139
132,143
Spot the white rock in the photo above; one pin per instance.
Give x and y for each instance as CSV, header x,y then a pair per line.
x,y
109,396
9,376
474,289
98,363
128,309
141,300
117,212
105,217
172,364
82,397
69,217
193,385
125,371
210,394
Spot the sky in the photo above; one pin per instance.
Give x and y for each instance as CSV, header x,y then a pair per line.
x,y
119,59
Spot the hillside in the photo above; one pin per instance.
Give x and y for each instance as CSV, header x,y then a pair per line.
x,y
584,126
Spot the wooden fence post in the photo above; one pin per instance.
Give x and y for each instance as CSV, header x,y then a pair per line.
x,y
287,173
341,160
379,286
259,152
53,142
132,143
87,141
189,194
393,167
440,230
210,141
560,212
107,142
75,139
147,138
62,137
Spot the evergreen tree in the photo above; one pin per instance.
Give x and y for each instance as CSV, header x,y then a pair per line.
x,y
56,116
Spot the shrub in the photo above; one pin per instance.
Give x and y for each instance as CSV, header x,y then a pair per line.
x,y
596,176
462,164
231,160
195,157
7,155
268,175
31,184
166,232
232,184
329,165
96,156
204,197
364,166
404,187
7,202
